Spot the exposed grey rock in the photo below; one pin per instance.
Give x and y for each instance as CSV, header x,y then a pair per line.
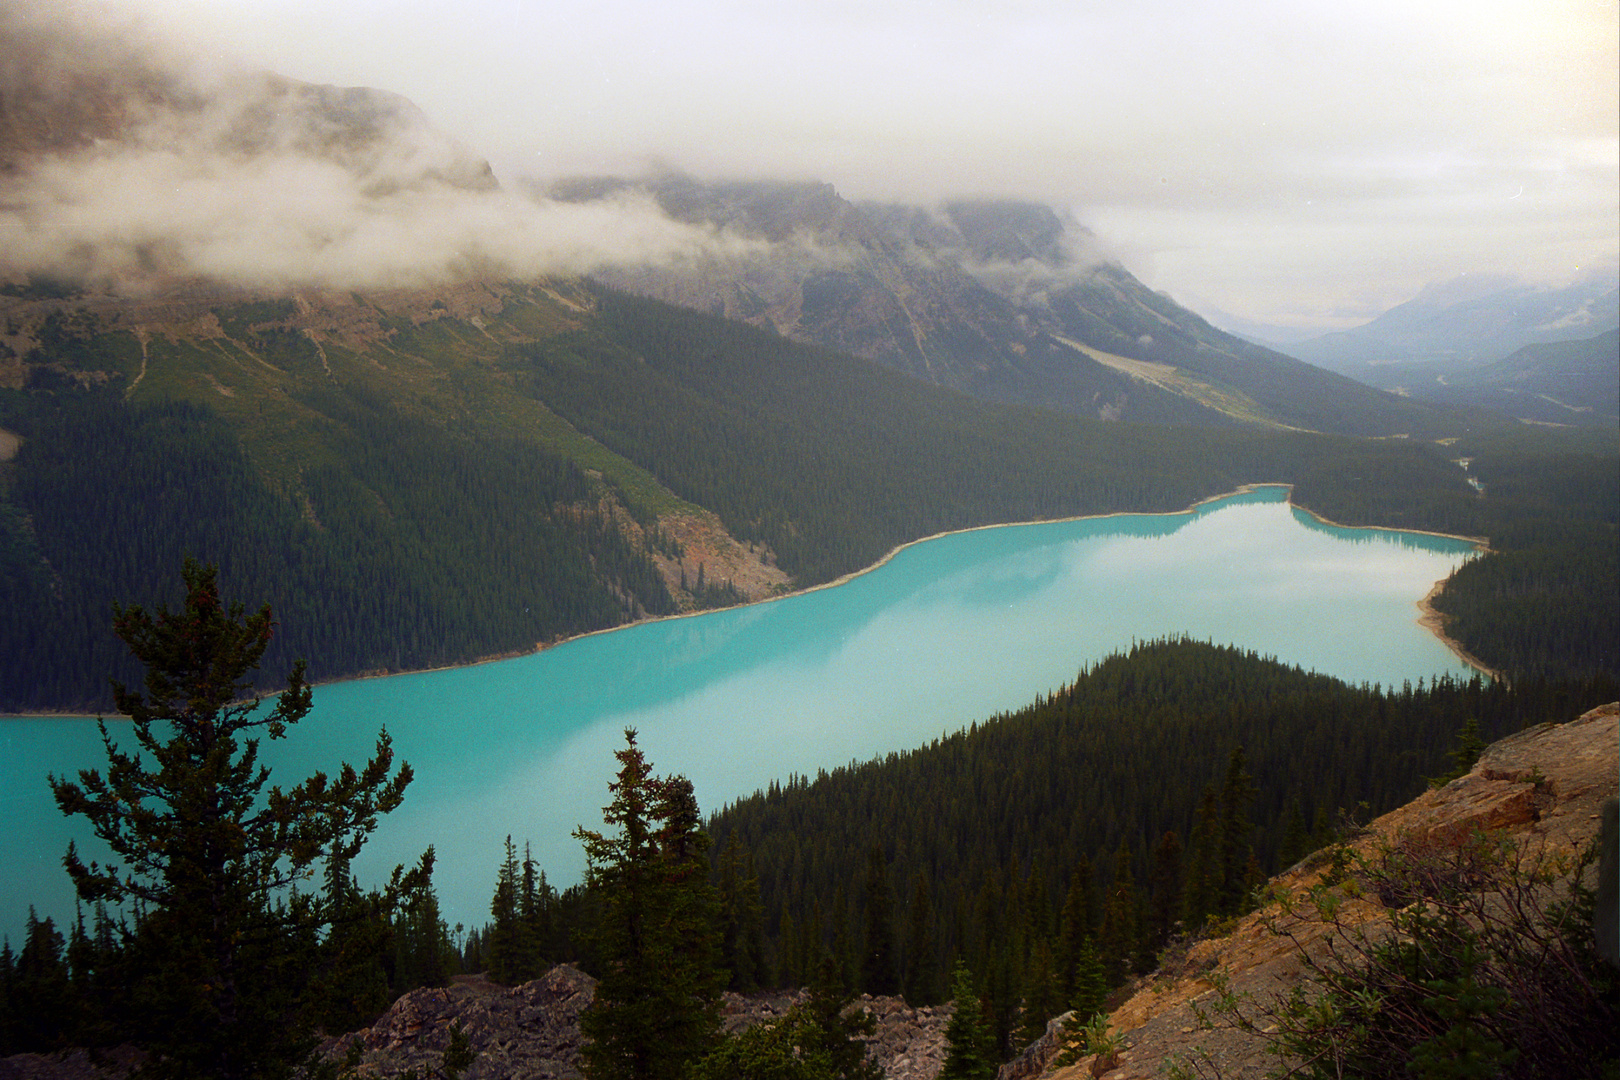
x,y
1038,1055
527,1032
531,1032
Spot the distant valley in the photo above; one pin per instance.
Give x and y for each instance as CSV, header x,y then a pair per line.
x,y
1542,355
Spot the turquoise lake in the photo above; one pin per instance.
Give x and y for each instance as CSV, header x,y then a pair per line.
x,y
948,631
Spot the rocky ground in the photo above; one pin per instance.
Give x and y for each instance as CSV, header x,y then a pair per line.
x,y
705,544
1545,786
531,1032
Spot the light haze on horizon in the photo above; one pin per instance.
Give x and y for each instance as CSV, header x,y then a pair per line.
x,y
1302,164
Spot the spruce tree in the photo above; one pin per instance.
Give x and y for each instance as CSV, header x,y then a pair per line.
x,y
349,987
657,1006
1117,941
1074,924
742,932
1090,984
922,978
877,956
1043,996
423,955
1296,842
1237,793
970,1055
536,927
503,941
1164,893
204,851
1201,894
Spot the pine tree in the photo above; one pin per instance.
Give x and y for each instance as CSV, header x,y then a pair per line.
x,y
877,956
1236,794
922,970
656,1010
203,849
1116,943
503,943
970,1055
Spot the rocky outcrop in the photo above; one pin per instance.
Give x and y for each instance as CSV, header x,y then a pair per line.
x,y
107,1063
531,1032
909,1043
1545,786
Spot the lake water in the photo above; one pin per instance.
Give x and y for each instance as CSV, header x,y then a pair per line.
x,y
948,631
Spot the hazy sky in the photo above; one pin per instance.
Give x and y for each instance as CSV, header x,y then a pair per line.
x,y
1286,162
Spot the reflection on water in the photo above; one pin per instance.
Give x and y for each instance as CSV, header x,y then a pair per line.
x,y
948,631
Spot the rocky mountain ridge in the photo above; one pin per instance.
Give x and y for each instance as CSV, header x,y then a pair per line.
x,y
1458,325
1001,299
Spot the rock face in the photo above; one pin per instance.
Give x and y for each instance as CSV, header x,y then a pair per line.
x,y
527,1031
531,1032
998,299
1545,786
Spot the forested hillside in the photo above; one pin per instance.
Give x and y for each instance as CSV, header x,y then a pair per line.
x,y
428,478
1157,788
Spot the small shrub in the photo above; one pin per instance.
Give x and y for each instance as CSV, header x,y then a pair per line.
x,y
1486,968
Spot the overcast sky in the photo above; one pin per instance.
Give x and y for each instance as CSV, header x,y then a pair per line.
x,y
1296,163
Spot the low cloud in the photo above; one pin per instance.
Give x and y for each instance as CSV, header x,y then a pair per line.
x,y
125,169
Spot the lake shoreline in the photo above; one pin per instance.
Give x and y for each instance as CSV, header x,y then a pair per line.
x,y
1430,618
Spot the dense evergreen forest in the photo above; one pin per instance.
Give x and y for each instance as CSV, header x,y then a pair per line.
x,y
1051,851
500,486
419,548
1091,797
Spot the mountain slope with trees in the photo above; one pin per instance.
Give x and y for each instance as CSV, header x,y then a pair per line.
x,y
430,477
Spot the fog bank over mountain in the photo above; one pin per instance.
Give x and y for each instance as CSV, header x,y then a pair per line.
x,y
125,167
1299,165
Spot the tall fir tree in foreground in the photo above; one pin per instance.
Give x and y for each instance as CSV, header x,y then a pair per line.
x,y
205,853
657,1006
